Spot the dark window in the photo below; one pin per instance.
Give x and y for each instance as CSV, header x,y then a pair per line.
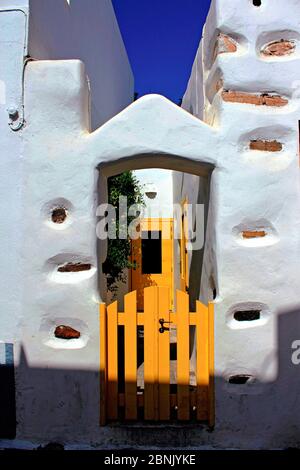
x,y
151,253
247,315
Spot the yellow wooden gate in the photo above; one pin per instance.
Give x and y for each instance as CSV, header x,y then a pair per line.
x,y
122,397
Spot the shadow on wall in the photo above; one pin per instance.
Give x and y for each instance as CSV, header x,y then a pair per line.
x,y
62,404
197,258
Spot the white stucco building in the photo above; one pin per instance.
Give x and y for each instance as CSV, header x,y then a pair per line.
x,y
237,135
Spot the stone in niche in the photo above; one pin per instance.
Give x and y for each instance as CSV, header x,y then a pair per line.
x,y
74,267
59,215
266,145
263,99
66,332
250,234
279,48
224,44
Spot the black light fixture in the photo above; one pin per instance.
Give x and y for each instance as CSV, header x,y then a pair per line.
x,y
151,191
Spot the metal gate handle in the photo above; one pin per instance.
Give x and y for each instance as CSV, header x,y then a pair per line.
x,y
162,325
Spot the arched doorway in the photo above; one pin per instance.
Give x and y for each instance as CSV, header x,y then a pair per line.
x,y
199,194
192,270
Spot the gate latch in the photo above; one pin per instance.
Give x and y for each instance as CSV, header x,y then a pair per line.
x,y
162,325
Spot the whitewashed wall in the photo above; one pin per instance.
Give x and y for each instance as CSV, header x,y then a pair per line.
x,y
46,29
61,163
85,30
257,189
13,44
50,370
155,133
12,4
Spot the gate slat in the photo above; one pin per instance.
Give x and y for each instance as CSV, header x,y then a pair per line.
x,y
151,327
130,321
112,366
103,363
183,357
202,362
164,355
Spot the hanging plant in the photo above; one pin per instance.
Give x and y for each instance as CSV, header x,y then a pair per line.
x,y
118,251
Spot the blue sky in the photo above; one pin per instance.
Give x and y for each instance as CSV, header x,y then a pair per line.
x,y
161,38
